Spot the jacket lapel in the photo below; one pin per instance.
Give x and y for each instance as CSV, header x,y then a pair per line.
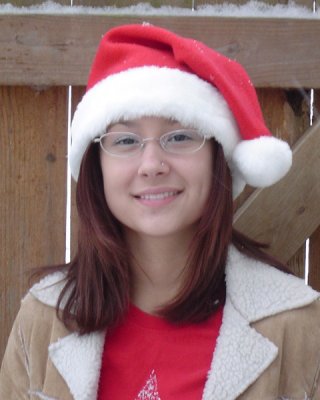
x,y
76,357
254,291
241,355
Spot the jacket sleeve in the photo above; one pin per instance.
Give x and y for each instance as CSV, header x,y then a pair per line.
x,y
14,373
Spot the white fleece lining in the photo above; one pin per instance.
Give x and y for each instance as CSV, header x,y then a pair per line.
x,y
78,359
240,357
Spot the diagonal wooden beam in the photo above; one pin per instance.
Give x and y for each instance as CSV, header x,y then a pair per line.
x,y
58,49
286,214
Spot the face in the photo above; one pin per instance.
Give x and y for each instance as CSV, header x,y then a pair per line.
x,y
156,193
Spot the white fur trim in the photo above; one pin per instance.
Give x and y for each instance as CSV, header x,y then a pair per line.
x,y
262,161
240,357
152,91
78,359
258,290
48,289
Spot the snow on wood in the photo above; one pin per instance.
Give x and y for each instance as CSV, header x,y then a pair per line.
x,y
251,9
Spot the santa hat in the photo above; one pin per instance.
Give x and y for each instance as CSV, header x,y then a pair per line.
x,y
144,70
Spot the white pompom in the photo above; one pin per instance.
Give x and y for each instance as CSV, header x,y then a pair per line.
x,y
263,161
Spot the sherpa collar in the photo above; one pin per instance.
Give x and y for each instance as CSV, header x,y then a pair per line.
x,y
254,291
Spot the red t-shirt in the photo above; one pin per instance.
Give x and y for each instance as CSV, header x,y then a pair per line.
x,y
146,357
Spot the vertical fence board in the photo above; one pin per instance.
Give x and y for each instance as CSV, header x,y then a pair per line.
x,y
314,250
32,189
314,260
77,93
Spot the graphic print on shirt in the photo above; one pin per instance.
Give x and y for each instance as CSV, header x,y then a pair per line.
x,y
150,389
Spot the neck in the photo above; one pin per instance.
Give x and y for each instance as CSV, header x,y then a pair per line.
x,y
157,269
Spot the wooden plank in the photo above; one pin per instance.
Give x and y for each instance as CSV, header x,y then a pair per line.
x,y
77,93
28,3
287,115
307,3
126,3
314,254
32,190
57,50
314,260
297,262
287,213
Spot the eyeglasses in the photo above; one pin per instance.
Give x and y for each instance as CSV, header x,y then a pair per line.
x,y
127,144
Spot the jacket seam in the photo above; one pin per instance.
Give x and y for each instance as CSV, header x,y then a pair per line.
x,y
24,351
315,383
41,396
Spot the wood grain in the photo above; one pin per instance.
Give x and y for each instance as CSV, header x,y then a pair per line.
x,y
28,3
287,115
314,255
32,190
287,213
77,93
127,3
57,50
314,260
306,3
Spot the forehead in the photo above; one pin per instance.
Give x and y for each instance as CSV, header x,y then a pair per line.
x,y
157,123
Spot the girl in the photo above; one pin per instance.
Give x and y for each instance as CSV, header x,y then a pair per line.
x,y
164,300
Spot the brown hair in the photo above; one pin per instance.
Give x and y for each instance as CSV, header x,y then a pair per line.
x,y
97,290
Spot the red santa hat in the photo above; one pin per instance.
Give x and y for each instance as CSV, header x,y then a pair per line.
x,y
144,70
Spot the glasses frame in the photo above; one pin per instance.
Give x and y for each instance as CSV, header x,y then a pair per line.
x,y
149,139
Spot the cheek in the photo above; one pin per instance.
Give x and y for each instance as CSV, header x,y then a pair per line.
x,y
109,173
202,171
116,180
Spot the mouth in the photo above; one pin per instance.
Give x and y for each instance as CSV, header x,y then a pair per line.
x,y
157,196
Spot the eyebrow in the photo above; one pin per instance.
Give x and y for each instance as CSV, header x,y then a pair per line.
x,y
134,124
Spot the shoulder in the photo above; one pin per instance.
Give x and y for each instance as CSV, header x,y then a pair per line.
x,y
49,288
303,322
38,308
296,333
258,290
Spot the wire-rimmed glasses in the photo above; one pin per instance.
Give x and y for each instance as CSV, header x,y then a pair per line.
x,y
127,144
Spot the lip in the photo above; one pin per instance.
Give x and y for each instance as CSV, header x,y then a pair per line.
x,y
155,197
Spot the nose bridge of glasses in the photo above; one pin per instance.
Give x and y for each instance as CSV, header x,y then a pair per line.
x,y
150,139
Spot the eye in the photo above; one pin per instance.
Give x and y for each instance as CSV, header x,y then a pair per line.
x,y
119,139
180,136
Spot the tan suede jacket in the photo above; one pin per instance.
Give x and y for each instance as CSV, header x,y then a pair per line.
x,y
268,346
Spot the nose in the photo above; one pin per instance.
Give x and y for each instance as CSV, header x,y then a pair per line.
x,y
152,160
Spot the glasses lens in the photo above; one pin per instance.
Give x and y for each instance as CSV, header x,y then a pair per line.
x,y
121,143
182,141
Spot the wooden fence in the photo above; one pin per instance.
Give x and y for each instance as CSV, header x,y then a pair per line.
x,y
40,55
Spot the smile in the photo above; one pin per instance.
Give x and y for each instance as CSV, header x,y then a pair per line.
x,y
157,196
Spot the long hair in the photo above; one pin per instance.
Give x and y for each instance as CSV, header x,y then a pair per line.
x,y
97,290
